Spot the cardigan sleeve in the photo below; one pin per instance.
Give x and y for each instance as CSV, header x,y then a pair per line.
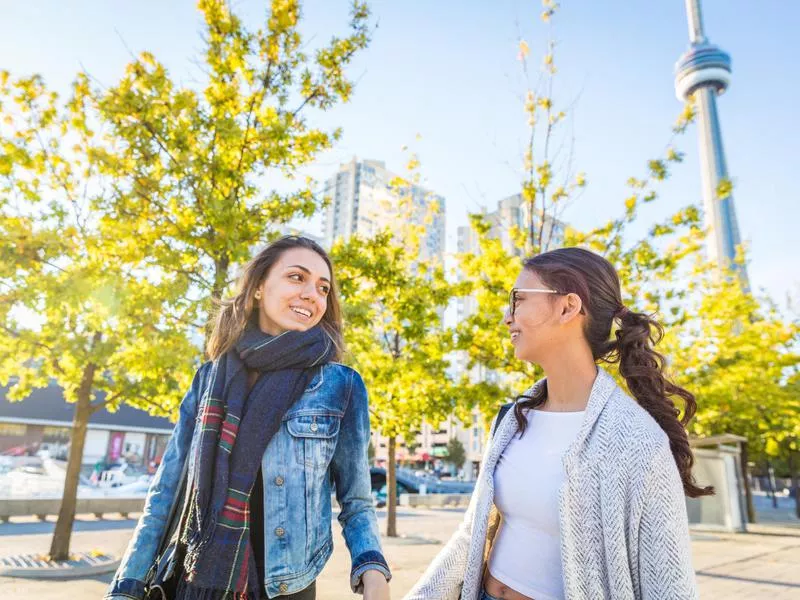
x,y
444,577
665,552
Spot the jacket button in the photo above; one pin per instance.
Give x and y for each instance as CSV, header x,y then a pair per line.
x,y
283,587
278,480
314,427
280,531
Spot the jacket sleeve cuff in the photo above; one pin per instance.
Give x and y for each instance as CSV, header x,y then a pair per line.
x,y
129,589
365,562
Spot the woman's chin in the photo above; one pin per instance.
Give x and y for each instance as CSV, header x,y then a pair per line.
x,y
296,325
521,353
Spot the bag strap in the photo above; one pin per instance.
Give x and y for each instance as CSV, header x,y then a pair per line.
x,y
178,501
502,413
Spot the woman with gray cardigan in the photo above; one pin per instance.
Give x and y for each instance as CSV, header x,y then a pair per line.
x,y
581,490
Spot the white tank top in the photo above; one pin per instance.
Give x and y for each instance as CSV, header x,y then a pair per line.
x,y
526,555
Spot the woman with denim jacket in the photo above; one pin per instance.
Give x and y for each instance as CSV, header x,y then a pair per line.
x,y
267,427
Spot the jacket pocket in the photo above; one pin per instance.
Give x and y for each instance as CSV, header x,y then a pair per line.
x,y
314,438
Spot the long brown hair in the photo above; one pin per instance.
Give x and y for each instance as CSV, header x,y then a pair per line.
x,y
595,281
233,313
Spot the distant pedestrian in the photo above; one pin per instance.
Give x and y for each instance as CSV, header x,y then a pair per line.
x,y
97,471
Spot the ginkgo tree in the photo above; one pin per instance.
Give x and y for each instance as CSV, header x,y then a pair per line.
x,y
394,299
71,313
191,168
125,209
738,354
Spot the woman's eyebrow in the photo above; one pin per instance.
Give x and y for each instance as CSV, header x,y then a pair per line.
x,y
302,268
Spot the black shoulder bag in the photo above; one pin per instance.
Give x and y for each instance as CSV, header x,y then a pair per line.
x,y
502,413
162,579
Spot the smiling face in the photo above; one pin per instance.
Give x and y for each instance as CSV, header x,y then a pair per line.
x,y
543,323
294,295
535,319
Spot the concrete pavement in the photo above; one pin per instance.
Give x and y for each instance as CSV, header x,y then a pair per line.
x,y
758,565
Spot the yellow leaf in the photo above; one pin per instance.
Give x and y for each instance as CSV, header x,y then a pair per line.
x,y
524,50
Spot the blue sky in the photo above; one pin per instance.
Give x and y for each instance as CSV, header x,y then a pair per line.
x,y
448,71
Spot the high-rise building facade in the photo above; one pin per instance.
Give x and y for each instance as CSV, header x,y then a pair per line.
x,y
511,212
365,200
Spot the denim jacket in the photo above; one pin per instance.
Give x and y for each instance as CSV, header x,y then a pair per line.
x,y
322,442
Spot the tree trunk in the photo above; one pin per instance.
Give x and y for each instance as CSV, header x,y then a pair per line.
x,y
221,266
391,490
59,547
748,494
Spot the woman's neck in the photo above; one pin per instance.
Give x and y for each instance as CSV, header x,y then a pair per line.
x,y
569,383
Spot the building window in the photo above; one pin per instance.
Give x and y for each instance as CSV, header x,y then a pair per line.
x,y
56,434
12,429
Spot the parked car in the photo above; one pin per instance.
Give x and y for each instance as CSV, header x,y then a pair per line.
x,y
382,494
20,451
409,483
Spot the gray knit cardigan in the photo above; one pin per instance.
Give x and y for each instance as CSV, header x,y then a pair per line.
x,y
624,529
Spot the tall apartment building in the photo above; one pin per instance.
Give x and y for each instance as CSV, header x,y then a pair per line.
x,y
431,442
511,212
364,201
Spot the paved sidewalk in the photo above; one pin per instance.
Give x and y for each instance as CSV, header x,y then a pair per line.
x,y
753,566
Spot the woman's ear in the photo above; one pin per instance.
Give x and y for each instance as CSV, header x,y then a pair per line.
x,y
571,308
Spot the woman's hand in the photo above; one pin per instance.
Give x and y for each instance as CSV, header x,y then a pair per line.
x,y
375,585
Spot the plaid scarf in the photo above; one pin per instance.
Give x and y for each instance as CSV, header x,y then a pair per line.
x,y
235,429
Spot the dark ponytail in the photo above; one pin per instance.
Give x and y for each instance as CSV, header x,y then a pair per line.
x,y
595,281
643,370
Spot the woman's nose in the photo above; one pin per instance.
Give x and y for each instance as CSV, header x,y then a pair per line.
x,y
310,293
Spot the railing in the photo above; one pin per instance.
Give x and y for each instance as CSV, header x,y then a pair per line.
x,y
42,507
434,500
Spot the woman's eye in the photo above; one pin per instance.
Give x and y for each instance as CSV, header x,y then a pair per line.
x,y
296,277
325,290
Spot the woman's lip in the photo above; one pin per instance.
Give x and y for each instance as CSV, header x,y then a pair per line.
x,y
300,315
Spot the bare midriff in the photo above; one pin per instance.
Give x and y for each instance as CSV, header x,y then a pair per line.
x,y
498,589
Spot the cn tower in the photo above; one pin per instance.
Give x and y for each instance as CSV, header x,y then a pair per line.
x,y
704,71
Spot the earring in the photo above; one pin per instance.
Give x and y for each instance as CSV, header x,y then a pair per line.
x,y
258,294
